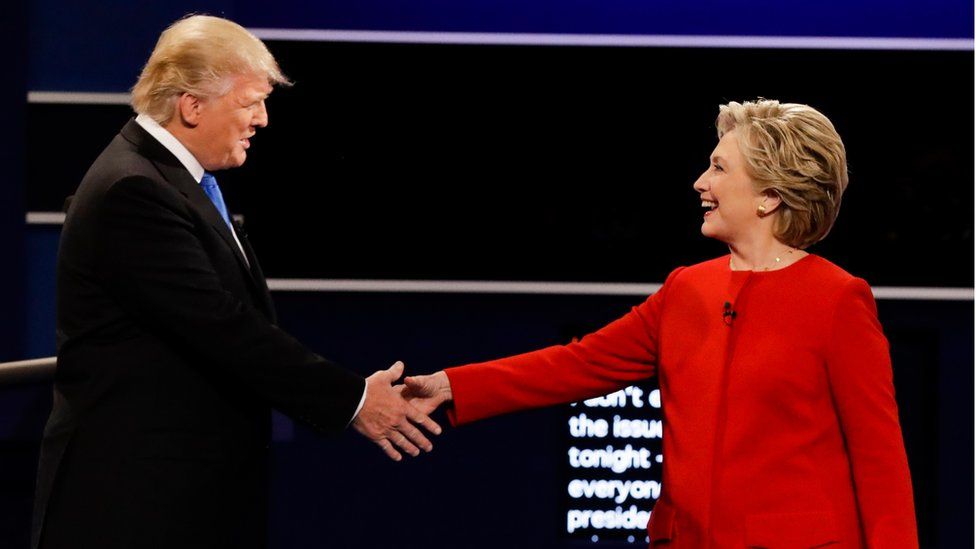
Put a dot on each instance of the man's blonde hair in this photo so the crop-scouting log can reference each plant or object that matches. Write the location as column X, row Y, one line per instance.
column 793, row 151
column 199, row 55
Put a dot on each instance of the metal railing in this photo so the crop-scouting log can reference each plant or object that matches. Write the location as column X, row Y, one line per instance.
column 27, row 371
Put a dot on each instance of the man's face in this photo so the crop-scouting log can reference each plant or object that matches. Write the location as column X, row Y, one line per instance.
column 226, row 123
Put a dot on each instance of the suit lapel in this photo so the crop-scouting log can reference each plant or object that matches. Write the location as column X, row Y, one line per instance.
column 176, row 174
column 256, row 271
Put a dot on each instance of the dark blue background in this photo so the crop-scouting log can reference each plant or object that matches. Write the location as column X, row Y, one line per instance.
column 13, row 39
column 900, row 18
column 100, row 46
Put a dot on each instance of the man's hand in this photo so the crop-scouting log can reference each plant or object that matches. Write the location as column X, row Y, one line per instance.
column 388, row 419
column 426, row 393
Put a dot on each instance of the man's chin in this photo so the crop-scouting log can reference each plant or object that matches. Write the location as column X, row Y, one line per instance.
column 235, row 161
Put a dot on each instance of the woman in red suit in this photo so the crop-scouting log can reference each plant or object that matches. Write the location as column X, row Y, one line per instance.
column 781, row 428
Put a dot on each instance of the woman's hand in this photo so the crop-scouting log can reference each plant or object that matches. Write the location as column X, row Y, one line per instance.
column 426, row 393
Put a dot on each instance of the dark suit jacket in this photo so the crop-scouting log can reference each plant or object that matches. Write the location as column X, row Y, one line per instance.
column 169, row 361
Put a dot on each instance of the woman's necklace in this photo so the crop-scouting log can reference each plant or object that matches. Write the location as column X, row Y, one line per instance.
column 775, row 263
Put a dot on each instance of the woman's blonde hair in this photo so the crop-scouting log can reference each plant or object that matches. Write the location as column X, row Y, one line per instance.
column 198, row 55
column 793, row 151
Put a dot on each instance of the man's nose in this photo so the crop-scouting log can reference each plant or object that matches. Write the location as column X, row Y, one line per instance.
column 261, row 118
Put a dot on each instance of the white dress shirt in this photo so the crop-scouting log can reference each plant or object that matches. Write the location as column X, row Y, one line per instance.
column 185, row 157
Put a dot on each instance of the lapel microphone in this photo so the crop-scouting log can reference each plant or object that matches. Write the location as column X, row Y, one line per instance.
column 728, row 315
column 239, row 226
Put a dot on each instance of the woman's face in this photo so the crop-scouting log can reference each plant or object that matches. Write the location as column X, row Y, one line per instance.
column 728, row 193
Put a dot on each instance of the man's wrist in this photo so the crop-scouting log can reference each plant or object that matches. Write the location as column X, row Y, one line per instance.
column 359, row 408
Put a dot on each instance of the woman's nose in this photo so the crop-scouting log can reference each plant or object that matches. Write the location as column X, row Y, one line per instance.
column 700, row 184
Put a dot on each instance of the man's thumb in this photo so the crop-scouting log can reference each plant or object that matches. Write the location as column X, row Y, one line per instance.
column 395, row 371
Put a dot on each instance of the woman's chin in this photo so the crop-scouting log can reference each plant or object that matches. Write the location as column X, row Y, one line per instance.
column 710, row 232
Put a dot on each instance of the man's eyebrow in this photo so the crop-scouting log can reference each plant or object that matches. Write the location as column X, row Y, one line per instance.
column 256, row 97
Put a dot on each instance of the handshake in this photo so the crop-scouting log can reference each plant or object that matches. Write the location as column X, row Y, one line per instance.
column 391, row 413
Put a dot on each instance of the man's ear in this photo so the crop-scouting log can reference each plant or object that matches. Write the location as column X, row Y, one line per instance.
column 189, row 108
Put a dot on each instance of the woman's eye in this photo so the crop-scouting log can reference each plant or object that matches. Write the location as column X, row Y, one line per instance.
column 718, row 168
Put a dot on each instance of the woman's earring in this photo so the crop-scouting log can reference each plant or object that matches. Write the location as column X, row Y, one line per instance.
column 761, row 211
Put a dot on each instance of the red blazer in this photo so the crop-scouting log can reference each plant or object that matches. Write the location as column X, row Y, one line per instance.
column 780, row 427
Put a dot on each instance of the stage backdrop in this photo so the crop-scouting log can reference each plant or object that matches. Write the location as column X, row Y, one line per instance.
column 448, row 161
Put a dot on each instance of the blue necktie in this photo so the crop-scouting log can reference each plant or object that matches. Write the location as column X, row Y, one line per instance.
column 209, row 184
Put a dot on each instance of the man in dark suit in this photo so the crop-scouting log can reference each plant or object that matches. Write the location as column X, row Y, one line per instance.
column 169, row 357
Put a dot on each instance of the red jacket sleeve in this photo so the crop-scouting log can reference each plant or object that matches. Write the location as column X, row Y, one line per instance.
column 617, row 355
column 860, row 374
